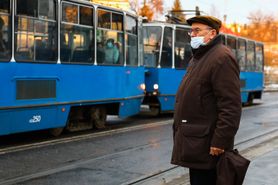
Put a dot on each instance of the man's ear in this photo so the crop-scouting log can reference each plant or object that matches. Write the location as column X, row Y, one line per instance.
column 214, row 33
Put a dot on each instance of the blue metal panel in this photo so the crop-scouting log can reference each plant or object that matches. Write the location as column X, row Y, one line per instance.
column 169, row 80
column 130, row 107
column 253, row 81
column 33, row 119
column 75, row 85
column 167, row 103
column 62, row 115
column 244, row 97
column 99, row 82
column 5, row 123
column 6, row 93
column 151, row 78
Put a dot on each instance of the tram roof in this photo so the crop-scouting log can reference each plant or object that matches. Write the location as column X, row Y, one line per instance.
column 163, row 24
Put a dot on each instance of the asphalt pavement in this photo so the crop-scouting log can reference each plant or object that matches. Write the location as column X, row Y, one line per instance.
column 262, row 169
column 141, row 155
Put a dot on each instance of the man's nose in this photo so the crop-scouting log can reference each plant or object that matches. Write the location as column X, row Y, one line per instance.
column 193, row 34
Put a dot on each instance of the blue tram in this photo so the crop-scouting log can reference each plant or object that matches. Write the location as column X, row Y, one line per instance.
column 66, row 65
column 250, row 55
column 167, row 52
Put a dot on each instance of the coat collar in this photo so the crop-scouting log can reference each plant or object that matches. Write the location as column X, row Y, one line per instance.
column 198, row 53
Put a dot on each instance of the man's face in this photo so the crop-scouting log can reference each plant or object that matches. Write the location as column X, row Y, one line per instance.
column 202, row 30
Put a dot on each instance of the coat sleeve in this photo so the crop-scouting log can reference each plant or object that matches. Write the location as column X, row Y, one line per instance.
column 226, row 86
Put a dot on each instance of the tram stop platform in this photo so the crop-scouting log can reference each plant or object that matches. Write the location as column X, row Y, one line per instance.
column 262, row 169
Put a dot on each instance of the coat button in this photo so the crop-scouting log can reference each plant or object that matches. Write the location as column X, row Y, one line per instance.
column 184, row 121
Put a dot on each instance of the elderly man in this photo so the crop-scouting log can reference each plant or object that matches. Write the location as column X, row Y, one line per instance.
column 208, row 103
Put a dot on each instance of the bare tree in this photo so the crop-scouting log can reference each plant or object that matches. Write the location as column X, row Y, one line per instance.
column 176, row 11
column 157, row 5
column 146, row 11
column 262, row 27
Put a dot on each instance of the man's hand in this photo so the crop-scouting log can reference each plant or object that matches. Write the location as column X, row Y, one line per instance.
column 215, row 151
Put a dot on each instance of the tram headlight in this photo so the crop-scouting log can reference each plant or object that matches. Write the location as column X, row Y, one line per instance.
column 155, row 86
column 143, row 86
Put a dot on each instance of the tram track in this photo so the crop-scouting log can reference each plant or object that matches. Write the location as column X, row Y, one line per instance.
column 80, row 136
column 159, row 177
column 251, row 147
column 66, row 139
column 256, row 146
column 75, row 164
column 74, row 138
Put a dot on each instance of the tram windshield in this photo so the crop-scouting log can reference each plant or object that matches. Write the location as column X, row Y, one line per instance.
column 152, row 42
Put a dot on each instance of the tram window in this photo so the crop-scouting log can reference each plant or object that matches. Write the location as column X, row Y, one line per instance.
column 152, row 42
column 104, row 19
column 110, row 47
column 76, row 44
column 259, row 57
column 131, row 41
column 70, row 13
column 47, row 9
column 27, row 7
column 25, row 39
column 183, row 50
column 5, row 36
column 117, row 22
column 241, row 54
column 5, row 6
column 131, row 25
column 223, row 39
column 86, row 16
column 110, row 42
column 110, row 20
column 38, row 42
column 231, row 43
column 250, row 56
column 167, row 48
column 131, row 50
column 36, row 38
column 44, row 9
column 76, row 41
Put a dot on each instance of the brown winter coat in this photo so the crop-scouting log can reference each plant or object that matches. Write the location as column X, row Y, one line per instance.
column 208, row 107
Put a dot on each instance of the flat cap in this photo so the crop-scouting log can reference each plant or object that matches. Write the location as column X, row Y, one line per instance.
column 207, row 20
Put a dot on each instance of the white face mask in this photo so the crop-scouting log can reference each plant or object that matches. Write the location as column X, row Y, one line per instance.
column 196, row 42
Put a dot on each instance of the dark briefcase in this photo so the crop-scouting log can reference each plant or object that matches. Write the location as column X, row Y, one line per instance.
column 231, row 168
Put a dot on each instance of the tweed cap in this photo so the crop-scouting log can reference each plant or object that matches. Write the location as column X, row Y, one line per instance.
column 211, row 21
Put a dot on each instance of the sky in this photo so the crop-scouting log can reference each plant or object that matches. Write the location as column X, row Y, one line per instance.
column 236, row 10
